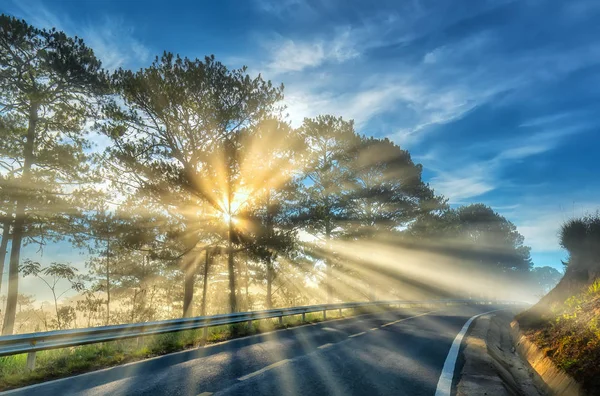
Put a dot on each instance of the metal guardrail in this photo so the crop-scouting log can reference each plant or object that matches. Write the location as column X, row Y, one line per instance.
column 31, row 343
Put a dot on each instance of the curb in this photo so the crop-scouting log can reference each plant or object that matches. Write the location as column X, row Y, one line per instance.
column 554, row 380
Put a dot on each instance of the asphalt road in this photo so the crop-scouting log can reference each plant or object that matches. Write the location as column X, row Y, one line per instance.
column 394, row 353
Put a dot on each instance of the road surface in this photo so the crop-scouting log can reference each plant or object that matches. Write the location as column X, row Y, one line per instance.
column 392, row 353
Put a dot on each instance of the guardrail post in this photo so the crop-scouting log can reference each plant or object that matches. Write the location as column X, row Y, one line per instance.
column 281, row 321
column 205, row 335
column 324, row 314
column 31, row 361
column 303, row 317
column 340, row 312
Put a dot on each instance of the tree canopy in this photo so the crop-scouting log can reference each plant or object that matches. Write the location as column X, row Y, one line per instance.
column 206, row 199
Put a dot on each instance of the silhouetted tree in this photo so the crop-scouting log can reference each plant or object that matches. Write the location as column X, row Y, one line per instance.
column 389, row 191
column 51, row 276
column 177, row 141
column 48, row 80
column 545, row 278
column 271, row 169
column 478, row 234
column 329, row 143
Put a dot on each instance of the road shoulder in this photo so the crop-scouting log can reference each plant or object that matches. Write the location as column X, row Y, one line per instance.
column 490, row 365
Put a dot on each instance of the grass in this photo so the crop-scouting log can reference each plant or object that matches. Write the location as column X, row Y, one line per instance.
column 569, row 334
column 58, row 363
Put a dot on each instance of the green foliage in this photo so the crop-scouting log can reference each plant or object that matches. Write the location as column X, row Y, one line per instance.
column 51, row 276
column 187, row 165
column 478, row 234
column 569, row 334
column 581, row 238
column 202, row 179
column 594, row 288
column 389, row 192
column 50, row 86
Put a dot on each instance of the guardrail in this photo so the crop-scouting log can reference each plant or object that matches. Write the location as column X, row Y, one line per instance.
column 31, row 343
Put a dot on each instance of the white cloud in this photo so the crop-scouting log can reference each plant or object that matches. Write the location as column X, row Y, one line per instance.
column 112, row 40
column 360, row 104
column 291, row 56
column 467, row 178
column 525, row 151
column 432, row 56
column 460, row 188
column 431, row 116
column 375, row 95
column 114, row 43
column 544, row 120
column 280, row 8
column 287, row 55
column 538, row 143
column 540, row 222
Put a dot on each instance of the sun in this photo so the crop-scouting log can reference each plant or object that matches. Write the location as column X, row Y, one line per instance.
column 226, row 212
column 226, row 217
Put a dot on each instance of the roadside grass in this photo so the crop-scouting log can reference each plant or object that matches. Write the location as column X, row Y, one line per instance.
column 569, row 334
column 59, row 363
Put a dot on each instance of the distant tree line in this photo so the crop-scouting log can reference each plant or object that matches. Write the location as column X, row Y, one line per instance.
column 201, row 197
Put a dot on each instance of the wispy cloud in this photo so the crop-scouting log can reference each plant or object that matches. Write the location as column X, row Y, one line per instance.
column 112, row 39
column 459, row 188
column 281, row 8
column 360, row 104
column 289, row 55
column 114, row 43
column 540, row 221
column 466, row 178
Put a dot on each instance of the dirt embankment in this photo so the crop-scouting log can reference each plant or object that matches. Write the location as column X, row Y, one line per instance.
column 568, row 333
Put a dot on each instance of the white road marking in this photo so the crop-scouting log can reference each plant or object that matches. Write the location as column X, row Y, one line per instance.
column 401, row 320
column 205, row 394
column 262, row 370
column 357, row 334
column 374, row 328
column 331, row 329
column 444, row 386
column 325, row 346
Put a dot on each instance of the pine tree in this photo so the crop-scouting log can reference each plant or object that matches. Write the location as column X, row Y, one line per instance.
column 49, row 83
column 178, row 143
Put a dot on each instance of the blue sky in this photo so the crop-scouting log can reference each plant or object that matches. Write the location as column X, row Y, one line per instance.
column 497, row 99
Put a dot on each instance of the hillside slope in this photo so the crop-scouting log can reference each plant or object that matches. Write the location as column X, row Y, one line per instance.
column 568, row 331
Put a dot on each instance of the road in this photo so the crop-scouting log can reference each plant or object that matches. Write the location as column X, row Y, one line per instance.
column 392, row 353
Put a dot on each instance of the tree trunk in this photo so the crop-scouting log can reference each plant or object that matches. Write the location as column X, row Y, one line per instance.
column 56, row 310
column 107, row 281
column 188, row 286
column 13, row 270
column 4, row 247
column 269, row 262
column 248, row 308
column 205, row 284
column 15, row 250
column 135, row 293
column 328, row 274
column 231, row 270
column 269, row 301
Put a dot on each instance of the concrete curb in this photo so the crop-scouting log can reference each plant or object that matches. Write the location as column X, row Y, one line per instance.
column 553, row 379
